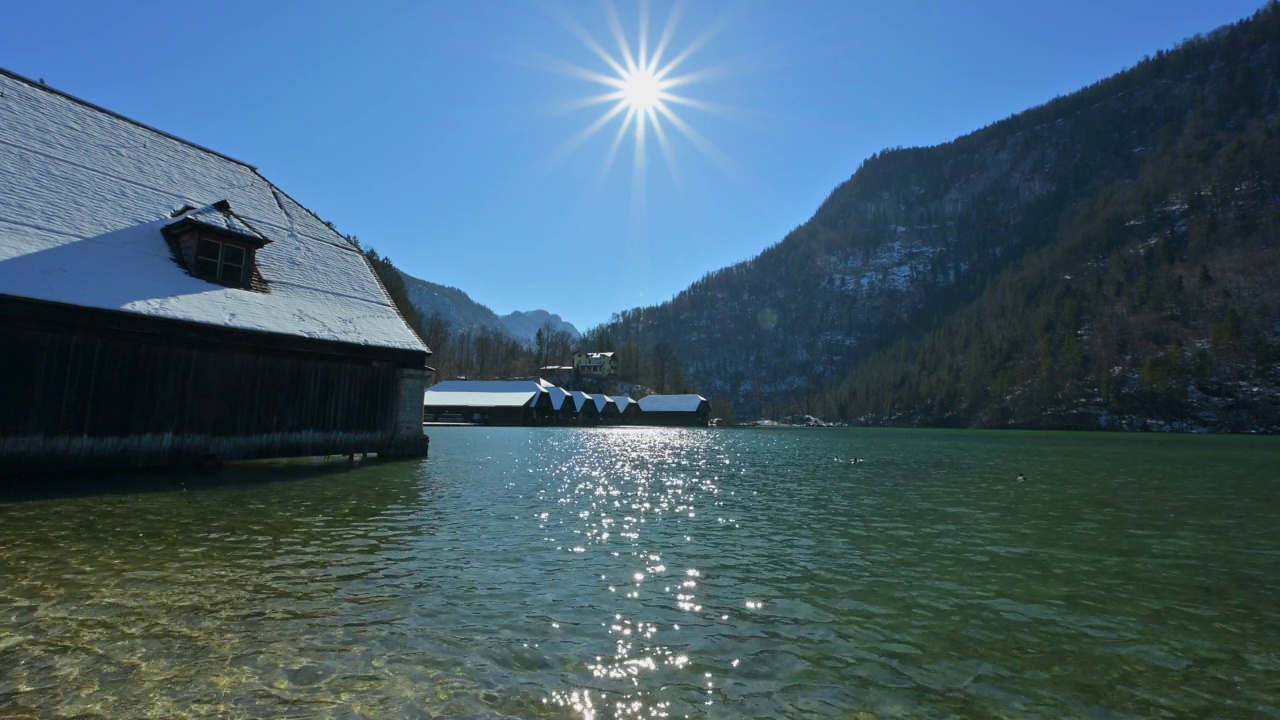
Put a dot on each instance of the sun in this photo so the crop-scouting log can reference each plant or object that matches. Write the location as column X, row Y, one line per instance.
column 638, row 87
column 641, row 89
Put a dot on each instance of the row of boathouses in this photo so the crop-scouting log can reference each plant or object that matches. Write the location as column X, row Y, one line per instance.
column 535, row 401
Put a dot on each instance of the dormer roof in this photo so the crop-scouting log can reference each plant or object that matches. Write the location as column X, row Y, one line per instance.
column 219, row 220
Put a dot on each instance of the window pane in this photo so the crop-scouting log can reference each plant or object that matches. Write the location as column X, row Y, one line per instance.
column 207, row 250
column 232, row 265
column 231, row 274
column 206, row 268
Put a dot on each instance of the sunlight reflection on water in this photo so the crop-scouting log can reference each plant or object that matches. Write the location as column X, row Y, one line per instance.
column 622, row 499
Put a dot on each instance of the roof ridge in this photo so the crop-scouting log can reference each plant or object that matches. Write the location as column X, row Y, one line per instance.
column 40, row 85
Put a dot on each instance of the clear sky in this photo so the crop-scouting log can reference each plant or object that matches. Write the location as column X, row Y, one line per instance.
column 455, row 137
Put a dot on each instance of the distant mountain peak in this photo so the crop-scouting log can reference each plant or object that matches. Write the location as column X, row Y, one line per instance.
column 524, row 325
column 461, row 312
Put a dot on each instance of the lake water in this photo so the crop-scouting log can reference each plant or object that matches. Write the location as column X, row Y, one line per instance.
column 637, row 572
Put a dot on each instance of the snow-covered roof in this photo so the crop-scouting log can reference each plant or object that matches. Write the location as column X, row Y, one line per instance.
column 601, row 401
column 580, row 399
column 85, row 193
column 623, row 402
column 671, row 403
column 482, row 393
column 558, row 396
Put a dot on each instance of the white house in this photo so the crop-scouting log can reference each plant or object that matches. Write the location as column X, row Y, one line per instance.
column 602, row 364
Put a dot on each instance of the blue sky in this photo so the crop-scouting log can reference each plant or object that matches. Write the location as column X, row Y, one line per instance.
column 442, row 133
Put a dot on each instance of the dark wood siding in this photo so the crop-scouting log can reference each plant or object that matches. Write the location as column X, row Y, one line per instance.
column 73, row 389
column 67, row 385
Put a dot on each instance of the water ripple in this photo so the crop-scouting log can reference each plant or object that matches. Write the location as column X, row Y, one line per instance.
column 618, row 573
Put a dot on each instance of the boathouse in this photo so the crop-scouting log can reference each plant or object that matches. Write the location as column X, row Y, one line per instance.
column 162, row 303
column 689, row 410
column 562, row 408
column 488, row 402
column 585, row 407
column 628, row 409
column 607, row 409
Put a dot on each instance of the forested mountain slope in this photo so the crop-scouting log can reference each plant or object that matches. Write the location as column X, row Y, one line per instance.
column 1106, row 259
column 453, row 305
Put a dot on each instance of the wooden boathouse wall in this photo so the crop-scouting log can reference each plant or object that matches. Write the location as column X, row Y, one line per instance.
column 83, row 388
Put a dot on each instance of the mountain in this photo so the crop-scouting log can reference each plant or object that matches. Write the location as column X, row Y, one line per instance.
column 524, row 326
column 1104, row 260
column 462, row 313
column 453, row 305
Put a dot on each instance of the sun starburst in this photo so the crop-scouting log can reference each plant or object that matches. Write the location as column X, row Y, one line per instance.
column 638, row 98
column 641, row 89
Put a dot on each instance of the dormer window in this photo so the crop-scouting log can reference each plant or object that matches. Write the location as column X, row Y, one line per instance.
column 220, row 262
column 217, row 245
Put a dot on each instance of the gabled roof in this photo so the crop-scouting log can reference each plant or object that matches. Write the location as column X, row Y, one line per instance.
column 558, row 396
column 580, row 399
column 87, row 193
column 482, row 393
column 601, row 401
column 623, row 402
column 671, row 403
column 555, row 392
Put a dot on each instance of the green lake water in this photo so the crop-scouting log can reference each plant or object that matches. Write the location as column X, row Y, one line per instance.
column 644, row 572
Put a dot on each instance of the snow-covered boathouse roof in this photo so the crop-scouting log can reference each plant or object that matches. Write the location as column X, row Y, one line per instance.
column 671, row 403
column 580, row 400
column 483, row 393
column 622, row 402
column 558, row 396
column 85, row 194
